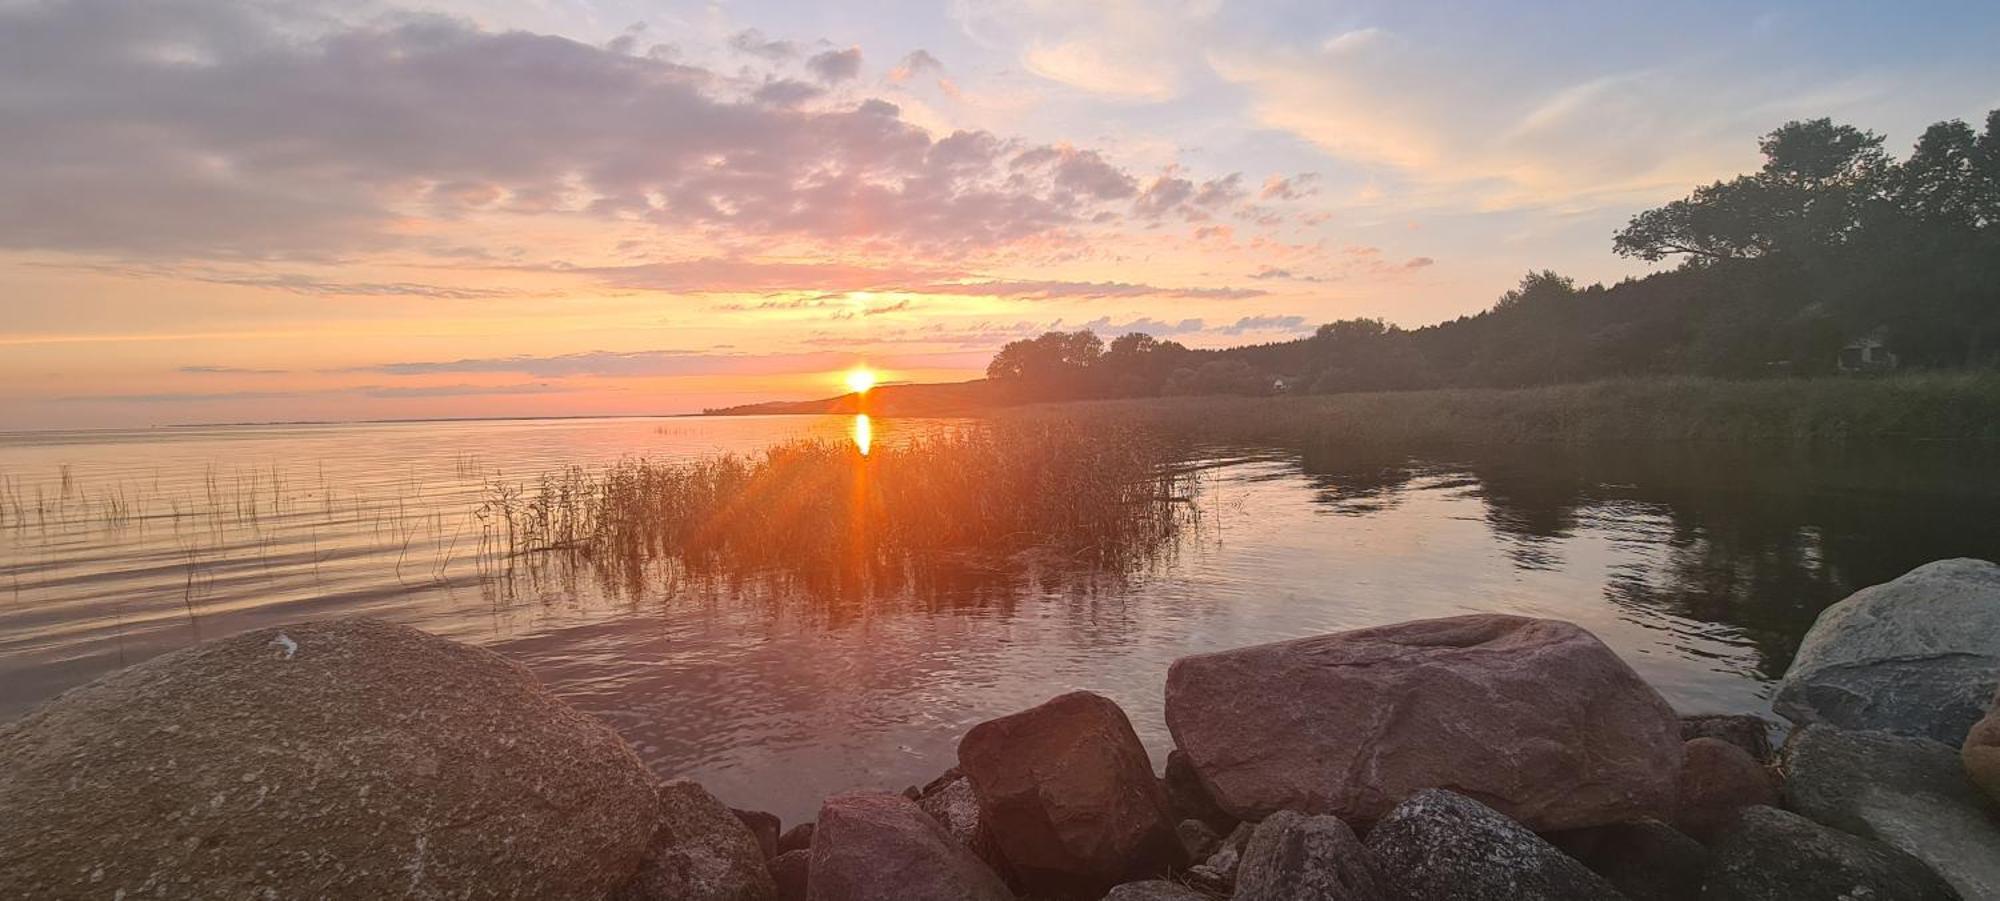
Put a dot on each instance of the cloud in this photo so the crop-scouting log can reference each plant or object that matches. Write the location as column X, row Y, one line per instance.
column 1293, row 188
column 1144, row 325
column 1033, row 289
column 835, row 66
column 1292, row 324
column 752, row 42
column 641, row 363
column 916, row 63
column 1418, row 263
column 229, row 370
column 735, row 276
column 267, row 133
column 1087, row 65
column 372, row 391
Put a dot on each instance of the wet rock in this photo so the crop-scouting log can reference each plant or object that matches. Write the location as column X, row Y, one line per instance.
column 791, row 871
column 348, row 758
column 955, row 807
column 702, row 852
column 797, row 838
column 1294, row 857
column 765, row 826
column 1069, row 794
column 1909, row 793
column 1442, row 845
column 1775, row 855
column 1647, row 860
column 1747, row 731
column 1209, row 879
column 1916, row 656
column 1189, row 797
column 1981, row 753
column 1535, row 716
column 1717, row 780
column 1154, row 890
column 869, row 846
column 1197, row 840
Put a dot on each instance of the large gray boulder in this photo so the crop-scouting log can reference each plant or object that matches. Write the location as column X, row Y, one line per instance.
column 1294, row 857
column 1154, row 890
column 953, row 804
column 340, row 759
column 1909, row 793
column 1535, row 717
column 1067, row 792
column 1916, row 656
column 1443, row 846
column 1775, row 855
column 868, row 846
column 703, row 851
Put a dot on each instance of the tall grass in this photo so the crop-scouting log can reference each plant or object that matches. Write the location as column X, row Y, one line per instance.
column 1105, row 495
column 1930, row 407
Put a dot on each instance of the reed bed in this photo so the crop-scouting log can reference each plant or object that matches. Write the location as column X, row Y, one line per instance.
column 1105, row 496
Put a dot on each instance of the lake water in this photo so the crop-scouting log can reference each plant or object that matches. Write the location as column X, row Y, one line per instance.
column 1700, row 567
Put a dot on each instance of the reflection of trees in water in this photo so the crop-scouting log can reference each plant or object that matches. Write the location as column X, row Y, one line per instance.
column 1758, row 540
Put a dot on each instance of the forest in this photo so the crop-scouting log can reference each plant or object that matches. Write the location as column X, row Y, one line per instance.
column 1833, row 257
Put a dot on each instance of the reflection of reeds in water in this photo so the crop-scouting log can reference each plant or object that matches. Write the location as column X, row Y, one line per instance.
column 1102, row 497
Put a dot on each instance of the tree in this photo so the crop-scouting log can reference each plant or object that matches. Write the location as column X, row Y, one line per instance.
column 1808, row 197
column 1054, row 355
column 1536, row 288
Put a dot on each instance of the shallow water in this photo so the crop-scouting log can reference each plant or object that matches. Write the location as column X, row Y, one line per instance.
column 1700, row 567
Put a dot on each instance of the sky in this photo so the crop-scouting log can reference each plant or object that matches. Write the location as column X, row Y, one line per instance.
column 256, row 211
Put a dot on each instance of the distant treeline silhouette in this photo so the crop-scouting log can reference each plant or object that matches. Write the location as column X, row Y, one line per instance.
column 1834, row 256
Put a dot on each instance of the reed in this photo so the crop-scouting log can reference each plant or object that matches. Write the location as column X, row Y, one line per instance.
column 1105, row 495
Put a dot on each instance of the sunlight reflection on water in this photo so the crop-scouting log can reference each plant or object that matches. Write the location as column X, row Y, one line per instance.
column 1702, row 572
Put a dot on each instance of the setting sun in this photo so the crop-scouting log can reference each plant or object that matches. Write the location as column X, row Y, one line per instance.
column 860, row 379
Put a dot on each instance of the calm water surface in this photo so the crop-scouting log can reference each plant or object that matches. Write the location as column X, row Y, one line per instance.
column 1701, row 568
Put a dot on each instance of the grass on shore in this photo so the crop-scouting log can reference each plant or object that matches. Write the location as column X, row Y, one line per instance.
column 1928, row 407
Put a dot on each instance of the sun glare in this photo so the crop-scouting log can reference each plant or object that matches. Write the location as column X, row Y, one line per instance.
column 860, row 379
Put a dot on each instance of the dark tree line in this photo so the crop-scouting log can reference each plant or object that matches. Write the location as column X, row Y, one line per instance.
column 1831, row 242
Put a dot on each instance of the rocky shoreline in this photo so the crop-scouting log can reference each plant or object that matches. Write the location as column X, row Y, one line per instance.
column 1473, row 757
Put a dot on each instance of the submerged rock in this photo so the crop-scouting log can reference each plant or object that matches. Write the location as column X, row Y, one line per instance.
column 1294, row 857
column 1647, row 860
column 702, row 852
column 1774, row 855
column 349, row 758
column 1916, row 656
column 1747, row 731
column 1909, row 793
column 1981, row 752
column 1717, row 780
column 1069, row 795
column 1441, row 845
column 869, row 846
column 1535, row 716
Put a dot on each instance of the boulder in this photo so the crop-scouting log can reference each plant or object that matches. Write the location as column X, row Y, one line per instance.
column 1154, row 890
column 1909, row 793
column 868, row 846
column 1647, row 860
column 1718, row 779
column 952, row 803
column 1295, row 857
column 1535, row 717
column 1440, row 845
column 1069, row 795
column 1197, row 840
column 1747, row 731
column 701, row 852
column 1775, row 855
column 791, row 871
column 1189, row 797
column 348, row 758
column 797, row 838
column 765, row 826
column 1916, row 656
column 1981, row 753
